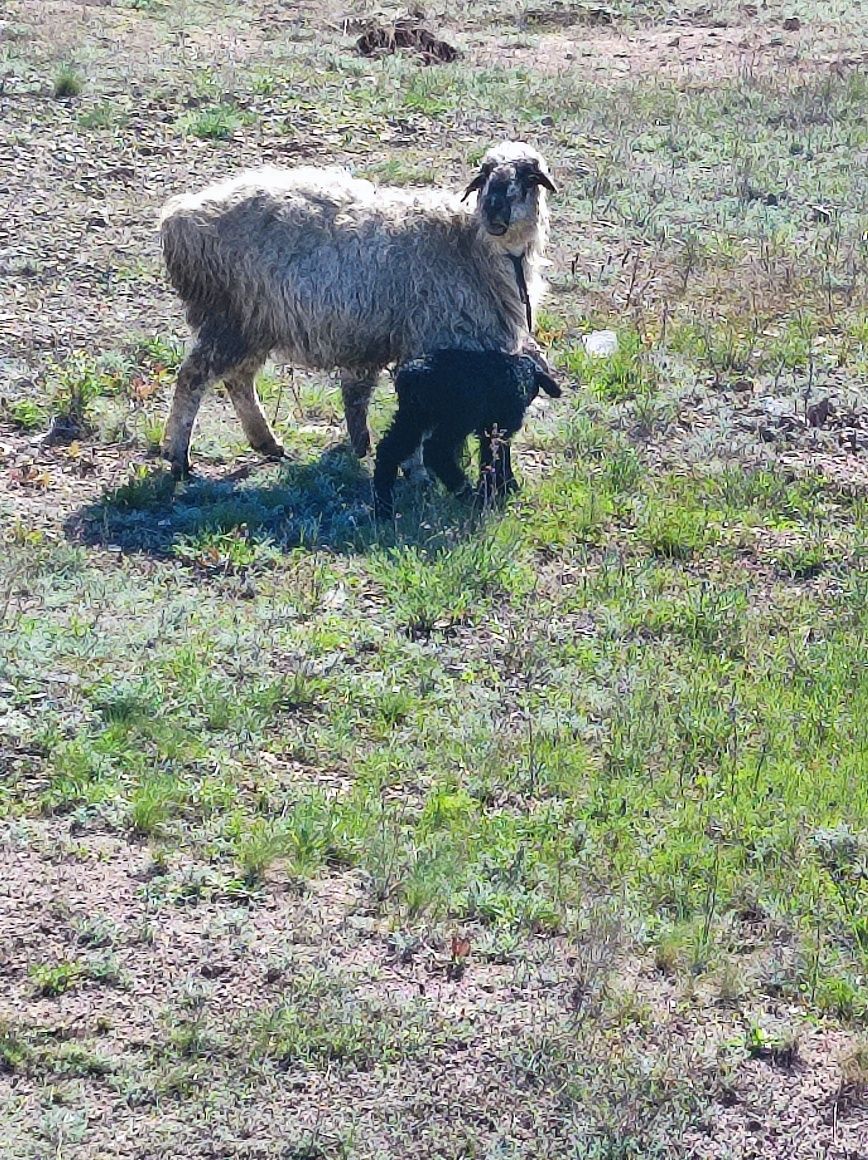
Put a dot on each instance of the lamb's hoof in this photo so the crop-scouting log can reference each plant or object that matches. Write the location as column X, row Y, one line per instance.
column 416, row 474
column 384, row 511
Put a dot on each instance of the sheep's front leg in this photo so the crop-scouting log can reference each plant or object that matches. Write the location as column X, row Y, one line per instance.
column 356, row 389
column 241, row 385
column 218, row 352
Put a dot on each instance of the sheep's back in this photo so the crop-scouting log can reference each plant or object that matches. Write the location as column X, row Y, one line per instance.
column 335, row 271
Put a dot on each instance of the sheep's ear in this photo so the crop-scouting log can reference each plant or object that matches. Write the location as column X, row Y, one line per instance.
column 475, row 185
column 548, row 384
column 538, row 177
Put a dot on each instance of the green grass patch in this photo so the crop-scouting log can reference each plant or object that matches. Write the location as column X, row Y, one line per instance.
column 214, row 123
column 68, row 82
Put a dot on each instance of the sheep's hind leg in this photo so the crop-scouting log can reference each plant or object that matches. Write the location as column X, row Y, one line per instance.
column 356, row 389
column 218, row 350
column 241, row 385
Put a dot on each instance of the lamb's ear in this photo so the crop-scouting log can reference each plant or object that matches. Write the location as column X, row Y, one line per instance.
column 475, row 185
column 548, row 384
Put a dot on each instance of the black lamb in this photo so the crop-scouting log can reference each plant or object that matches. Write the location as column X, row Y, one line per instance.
column 447, row 396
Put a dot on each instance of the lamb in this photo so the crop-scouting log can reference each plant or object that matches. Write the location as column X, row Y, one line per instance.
column 336, row 273
column 448, row 395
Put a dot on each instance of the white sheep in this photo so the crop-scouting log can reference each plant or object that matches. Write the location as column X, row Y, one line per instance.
column 334, row 272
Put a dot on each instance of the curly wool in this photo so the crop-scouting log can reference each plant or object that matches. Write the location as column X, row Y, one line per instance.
column 334, row 272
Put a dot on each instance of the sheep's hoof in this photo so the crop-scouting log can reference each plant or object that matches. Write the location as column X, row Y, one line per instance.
column 180, row 468
column 272, row 450
column 360, row 441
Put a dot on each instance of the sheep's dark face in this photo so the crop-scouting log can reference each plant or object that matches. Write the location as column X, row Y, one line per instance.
column 508, row 190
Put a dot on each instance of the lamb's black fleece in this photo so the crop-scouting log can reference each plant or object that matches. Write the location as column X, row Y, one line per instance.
column 448, row 395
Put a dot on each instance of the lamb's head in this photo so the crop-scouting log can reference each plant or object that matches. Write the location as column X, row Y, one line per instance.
column 534, row 379
column 510, row 186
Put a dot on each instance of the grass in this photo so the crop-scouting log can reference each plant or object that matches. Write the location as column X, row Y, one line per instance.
column 68, row 82
column 217, row 123
column 381, row 833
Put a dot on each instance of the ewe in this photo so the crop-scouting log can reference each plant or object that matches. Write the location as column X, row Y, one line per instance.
column 334, row 272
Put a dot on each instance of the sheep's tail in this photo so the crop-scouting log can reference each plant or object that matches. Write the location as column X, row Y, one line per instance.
column 192, row 263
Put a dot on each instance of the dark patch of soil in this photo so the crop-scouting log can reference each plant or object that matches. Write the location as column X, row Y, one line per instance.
column 407, row 32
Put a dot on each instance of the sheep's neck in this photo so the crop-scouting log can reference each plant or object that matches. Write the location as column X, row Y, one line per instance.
column 518, row 266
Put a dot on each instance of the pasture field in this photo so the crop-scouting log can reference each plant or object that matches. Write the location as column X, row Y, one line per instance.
column 542, row 834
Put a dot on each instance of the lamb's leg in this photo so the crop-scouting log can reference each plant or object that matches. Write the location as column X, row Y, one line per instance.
column 403, row 436
column 442, row 449
column 414, row 467
column 486, row 485
column 241, row 385
column 509, row 481
column 356, row 389
column 496, row 478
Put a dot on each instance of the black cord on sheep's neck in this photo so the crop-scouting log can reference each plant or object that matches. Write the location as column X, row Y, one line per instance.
column 518, row 266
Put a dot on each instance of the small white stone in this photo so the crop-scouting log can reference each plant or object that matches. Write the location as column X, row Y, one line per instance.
column 601, row 343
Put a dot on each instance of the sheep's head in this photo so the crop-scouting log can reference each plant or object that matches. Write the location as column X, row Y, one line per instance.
column 509, row 187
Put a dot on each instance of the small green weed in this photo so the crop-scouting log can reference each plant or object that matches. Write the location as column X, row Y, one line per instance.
column 68, row 82
column 779, row 1045
column 258, row 844
column 675, row 533
column 854, row 1067
column 803, row 562
column 95, row 931
column 322, row 1022
column 15, row 1051
column 158, row 354
column 102, row 116
column 217, row 123
column 437, row 589
column 627, row 373
column 79, row 381
column 144, row 490
column 27, row 414
column 227, row 552
column 74, row 1060
column 396, row 171
column 53, row 979
column 153, row 803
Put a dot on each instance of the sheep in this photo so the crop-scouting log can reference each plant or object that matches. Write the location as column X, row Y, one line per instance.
column 448, row 395
column 336, row 273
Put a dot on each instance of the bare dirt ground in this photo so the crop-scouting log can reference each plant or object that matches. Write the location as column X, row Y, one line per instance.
column 226, row 962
